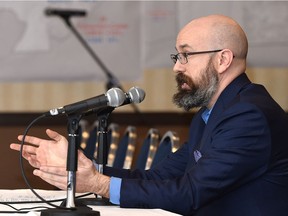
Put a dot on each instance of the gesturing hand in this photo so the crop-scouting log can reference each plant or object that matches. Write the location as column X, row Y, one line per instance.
column 41, row 152
column 87, row 178
column 49, row 157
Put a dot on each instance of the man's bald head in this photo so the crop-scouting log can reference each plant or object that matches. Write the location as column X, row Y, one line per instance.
column 216, row 32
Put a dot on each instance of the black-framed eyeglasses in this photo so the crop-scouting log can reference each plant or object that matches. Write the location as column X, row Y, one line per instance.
column 182, row 57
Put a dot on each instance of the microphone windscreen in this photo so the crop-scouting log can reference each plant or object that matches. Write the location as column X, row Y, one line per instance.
column 137, row 95
column 115, row 97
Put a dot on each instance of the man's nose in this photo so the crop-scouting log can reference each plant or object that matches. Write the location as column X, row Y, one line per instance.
column 178, row 67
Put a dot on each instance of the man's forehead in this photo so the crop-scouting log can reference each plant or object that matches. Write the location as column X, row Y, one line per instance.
column 187, row 42
column 193, row 37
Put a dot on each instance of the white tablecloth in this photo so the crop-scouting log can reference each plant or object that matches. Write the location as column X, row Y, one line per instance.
column 27, row 195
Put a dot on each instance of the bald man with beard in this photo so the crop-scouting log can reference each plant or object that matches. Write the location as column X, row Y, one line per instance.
column 235, row 161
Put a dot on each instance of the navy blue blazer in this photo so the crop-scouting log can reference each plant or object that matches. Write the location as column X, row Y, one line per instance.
column 237, row 164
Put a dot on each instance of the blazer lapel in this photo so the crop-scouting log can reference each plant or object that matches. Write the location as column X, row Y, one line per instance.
column 195, row 136
column 230, row 93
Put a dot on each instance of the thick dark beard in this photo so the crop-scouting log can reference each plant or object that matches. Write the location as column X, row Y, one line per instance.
column 200, row 93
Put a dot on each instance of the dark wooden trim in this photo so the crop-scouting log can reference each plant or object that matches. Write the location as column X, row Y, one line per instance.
column 147, row 118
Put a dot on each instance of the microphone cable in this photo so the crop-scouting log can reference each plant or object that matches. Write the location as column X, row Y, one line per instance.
column 28, row 209
column 22, row 167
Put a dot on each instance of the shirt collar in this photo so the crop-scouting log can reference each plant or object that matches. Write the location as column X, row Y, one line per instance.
column 206, row 114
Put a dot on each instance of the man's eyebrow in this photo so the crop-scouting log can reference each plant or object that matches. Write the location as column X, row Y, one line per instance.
column 183, row 46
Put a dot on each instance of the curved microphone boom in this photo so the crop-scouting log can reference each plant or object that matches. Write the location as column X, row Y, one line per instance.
column 65, row 13
column 114, row 97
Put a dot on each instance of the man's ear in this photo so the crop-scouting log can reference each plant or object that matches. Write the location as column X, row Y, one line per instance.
column 224, row 60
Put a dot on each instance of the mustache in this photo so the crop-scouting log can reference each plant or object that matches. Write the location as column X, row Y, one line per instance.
column 181, row 79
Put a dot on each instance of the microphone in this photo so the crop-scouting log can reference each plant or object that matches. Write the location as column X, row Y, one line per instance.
column 114, row 97
column 134, row 95
column 64, row 13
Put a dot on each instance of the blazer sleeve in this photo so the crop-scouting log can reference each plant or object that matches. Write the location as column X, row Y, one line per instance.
column 235, row 151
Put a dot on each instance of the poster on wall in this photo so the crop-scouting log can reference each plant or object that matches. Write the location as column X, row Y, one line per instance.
column 159, row 31
column 127, row 37
column 36, row 46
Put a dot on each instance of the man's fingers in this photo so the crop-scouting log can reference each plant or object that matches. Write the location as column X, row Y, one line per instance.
column 15, row 146
column 33, row 161
column 30, row 139
column 55, row 170
column 54, row 135
column 26, row 148
column 56, row 176
column 25, row 154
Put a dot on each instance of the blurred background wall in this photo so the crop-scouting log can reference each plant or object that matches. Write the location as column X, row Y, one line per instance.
column 159, row 86
column 43, row 65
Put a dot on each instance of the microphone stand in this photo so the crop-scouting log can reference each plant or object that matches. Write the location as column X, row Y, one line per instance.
column 112, row 80
column 72, row 159
column 102, row 150
column 102, row 153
